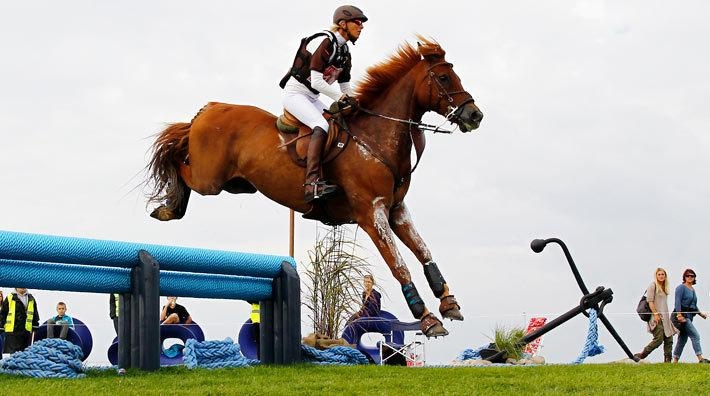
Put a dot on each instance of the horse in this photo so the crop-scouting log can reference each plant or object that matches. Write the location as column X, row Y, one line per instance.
column 237, row 148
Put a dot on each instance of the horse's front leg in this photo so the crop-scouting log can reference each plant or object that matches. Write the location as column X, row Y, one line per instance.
column 403, row 227
column 376, row 225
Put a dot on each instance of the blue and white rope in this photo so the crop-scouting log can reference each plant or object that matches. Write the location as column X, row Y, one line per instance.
column 339, row 355
column 591, row 346
column 214, row 354
column 48, row 358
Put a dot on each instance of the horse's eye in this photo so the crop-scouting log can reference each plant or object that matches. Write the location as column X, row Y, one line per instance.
column 444, row 78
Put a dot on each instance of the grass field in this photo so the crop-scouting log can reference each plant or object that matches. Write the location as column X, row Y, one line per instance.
column 376, row 380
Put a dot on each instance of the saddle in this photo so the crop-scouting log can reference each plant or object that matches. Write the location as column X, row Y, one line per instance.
column 297, row 136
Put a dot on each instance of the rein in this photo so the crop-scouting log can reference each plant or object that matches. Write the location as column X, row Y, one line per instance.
column 420, row 125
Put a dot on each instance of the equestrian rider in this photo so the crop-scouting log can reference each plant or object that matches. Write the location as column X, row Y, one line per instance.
column 330, row 61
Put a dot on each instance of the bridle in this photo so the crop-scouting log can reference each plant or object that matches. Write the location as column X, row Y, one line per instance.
column 453, row 111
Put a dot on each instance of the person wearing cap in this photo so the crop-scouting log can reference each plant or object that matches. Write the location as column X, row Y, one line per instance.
column 316, row 67
column 686, row 307
column 660, row 323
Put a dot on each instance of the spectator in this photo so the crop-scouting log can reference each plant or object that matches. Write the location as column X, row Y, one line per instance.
column 370, row 300
column 174, row 313
column 18, row 319
column 660, row 323
column 686, row 307
column 113, row 310
column 61, row 320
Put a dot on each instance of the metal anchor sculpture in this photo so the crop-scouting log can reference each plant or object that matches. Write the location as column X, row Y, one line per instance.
column 596, row 300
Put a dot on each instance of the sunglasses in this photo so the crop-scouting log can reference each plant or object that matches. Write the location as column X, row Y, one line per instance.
column 356, row 21
column 690, row 276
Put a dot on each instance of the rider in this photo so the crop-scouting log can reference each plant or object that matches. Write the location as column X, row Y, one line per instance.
column 328, row 63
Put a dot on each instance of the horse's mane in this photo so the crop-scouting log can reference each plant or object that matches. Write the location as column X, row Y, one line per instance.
column 381, row 75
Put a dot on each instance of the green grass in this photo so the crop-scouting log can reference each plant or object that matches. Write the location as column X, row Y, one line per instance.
column 376, row 380
column 509, row 340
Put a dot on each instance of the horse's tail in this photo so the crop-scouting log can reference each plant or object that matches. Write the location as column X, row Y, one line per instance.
column 169, row 151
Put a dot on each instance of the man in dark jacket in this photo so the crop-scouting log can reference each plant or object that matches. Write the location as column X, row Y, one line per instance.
column 18, row 319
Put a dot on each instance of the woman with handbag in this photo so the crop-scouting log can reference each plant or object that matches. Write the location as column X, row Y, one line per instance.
column 686, row 307
column 660, row 323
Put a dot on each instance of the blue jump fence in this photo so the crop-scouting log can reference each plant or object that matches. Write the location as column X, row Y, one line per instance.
column 141, row 273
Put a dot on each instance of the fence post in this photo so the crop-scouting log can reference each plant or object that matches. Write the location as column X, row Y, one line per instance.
column 291, row 308
column 150, row 311
column 124, row 330
column 266, row 331
column 136, row 285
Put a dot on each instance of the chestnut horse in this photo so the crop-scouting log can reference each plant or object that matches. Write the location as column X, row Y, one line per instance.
column 237, row 148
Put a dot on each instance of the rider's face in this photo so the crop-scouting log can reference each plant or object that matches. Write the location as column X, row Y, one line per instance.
column 354, row 28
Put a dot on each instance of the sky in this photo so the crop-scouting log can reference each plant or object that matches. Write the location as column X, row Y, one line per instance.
column 594, row 131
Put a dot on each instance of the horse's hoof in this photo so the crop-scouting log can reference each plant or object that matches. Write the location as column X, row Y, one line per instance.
column 163, row 213
column 431, row 327
column 450, row 309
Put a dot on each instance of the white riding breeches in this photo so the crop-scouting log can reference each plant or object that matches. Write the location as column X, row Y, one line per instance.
column 307, row 109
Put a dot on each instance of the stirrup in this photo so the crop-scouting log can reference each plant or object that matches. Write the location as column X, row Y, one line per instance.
column 321, row 189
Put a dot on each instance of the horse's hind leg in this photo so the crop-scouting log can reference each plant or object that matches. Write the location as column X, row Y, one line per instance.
column 177, row 197
column 377, row 227
column 403, row 227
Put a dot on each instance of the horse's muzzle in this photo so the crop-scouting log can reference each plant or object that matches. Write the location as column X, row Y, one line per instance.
column 469, row 118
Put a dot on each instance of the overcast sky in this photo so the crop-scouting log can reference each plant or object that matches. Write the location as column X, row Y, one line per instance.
column 595, row 131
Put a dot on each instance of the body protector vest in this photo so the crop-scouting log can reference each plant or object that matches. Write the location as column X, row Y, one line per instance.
column 12, row 313
column 301, row 68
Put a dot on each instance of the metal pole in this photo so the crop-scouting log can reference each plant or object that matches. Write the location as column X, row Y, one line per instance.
column 290, row 232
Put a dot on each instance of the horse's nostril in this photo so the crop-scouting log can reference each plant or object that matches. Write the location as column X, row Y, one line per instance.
column 477, row 116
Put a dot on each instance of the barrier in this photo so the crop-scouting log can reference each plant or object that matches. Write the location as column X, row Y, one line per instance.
column 140, row 273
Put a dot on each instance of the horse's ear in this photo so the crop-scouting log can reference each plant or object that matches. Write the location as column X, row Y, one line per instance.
column 430, row 51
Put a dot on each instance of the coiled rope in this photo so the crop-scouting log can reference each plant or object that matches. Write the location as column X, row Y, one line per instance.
column 47, row 358
column 339, row 355
column 214, row 354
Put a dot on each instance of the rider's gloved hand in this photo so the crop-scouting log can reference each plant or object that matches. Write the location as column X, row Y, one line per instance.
column 349, row 103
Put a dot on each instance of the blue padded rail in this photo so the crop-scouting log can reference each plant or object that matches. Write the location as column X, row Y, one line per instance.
column 64, row 277
column 184, row 284
column 72, row 250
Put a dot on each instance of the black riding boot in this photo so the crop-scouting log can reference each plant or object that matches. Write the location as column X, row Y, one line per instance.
column 315, row 187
